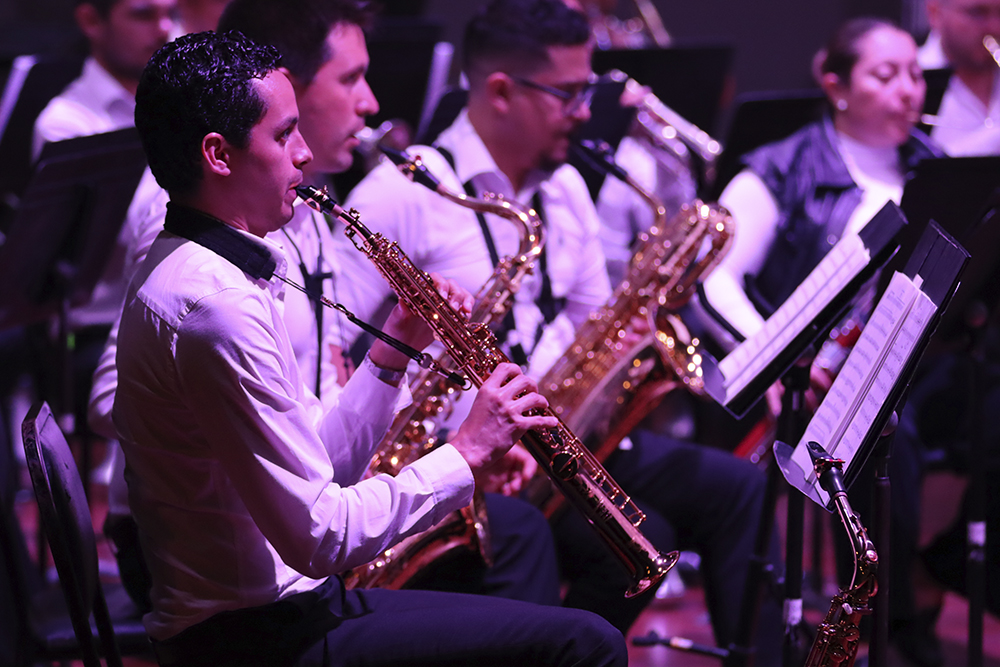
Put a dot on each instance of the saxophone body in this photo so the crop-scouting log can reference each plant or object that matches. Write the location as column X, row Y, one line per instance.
column 473, row 346
column 838, row 635
column 607, row 381
column 414, row 431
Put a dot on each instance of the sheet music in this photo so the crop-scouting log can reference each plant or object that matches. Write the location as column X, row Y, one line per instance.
column 863, row 385
column 844, row 261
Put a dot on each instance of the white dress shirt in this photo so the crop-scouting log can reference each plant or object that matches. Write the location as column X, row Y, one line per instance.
column 443, row 237
column 965, row 126
column 93, row 103
column 244, row 490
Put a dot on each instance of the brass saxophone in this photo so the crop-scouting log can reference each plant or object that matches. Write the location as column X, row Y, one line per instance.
column 838, row 636
column 414, row 431
column 472, row 345
column 603, row 385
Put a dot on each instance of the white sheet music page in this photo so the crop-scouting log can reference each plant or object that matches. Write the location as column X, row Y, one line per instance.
column 864, row 383
column 844, row 261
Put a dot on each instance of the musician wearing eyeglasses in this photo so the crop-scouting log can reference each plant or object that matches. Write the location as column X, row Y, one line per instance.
column 528, row 68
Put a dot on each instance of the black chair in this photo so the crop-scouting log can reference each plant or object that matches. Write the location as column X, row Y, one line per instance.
column 65, row 517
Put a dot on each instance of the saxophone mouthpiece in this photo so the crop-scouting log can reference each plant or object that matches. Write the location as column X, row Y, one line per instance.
column 599, row 155
column 318, row 199
column 413, row 168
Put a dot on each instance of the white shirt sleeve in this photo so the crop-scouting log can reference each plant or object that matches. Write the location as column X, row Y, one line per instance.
column 755, row 214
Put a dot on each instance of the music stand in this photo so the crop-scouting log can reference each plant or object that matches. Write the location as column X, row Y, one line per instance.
column 64, row 232
column 761, row 118
column 740, row 380
column 689, row 79
column 33, row 81
column 851, row 422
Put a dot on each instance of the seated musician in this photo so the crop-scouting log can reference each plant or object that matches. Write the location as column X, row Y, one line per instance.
column 245, row 491
column 528, row 65
column 797, row 197
column 326, row 61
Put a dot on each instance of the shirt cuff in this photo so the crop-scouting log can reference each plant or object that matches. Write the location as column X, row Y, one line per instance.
column 453, row 480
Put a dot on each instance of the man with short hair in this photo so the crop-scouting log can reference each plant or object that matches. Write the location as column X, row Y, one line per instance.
column 968, row 111
column 246, row 493
column 121, row 35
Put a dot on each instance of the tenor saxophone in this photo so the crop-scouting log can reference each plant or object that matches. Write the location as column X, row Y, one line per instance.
column 607, row 381
column 474, row 348
column 414, row 431
column 839, row 635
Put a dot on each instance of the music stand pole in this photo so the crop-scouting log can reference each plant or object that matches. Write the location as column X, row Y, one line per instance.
column 977, row 318
column 791, row 425
column 882, row 497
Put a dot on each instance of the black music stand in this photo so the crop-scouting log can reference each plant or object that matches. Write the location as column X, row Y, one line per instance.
column 761, row 118
column 63, row 235
column 690, row 79
column 33, row 81
column 857, row 417
column 963, row 196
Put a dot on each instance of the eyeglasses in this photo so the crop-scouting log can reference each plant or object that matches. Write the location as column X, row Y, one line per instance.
column 572, row 101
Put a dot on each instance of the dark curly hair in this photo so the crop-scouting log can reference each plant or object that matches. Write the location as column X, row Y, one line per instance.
column 514, row 35
column 195, row 85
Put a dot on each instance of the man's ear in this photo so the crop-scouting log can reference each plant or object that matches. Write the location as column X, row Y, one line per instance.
column 215, row 151
column 499, row 89
column 89, row 20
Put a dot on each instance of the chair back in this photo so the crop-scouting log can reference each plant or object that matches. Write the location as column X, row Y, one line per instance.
column 64, row 516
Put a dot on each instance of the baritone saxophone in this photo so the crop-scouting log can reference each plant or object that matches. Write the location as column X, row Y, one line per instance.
column 839, row 635
column 474, row 348
column 414, row 431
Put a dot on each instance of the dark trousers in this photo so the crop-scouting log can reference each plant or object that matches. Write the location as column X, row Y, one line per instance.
column 331, row 626
column 695, row 498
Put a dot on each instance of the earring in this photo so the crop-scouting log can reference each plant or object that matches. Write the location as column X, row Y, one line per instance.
column 842, row 104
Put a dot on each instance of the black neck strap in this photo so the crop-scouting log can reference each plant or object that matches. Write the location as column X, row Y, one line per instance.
column 208, row 232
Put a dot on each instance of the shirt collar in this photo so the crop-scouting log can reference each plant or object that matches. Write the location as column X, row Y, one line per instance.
column 178, row 213
column 473, row 162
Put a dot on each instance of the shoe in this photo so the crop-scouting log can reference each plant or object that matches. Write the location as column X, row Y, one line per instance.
column 916, row 639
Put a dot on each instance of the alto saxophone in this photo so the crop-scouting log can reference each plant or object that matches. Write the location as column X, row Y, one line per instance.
column 607, row 382
column 838, row 636
column 414, row 431
column 472, row 345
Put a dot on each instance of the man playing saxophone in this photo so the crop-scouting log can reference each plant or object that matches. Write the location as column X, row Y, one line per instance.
column 324, row 53
column 245, row 490
column 528, row 66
